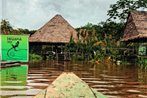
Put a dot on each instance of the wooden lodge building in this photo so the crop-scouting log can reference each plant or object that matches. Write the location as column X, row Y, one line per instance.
column 52, row 37
column 136, row 32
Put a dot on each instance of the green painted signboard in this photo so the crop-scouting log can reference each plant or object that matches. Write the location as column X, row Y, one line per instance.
column 14, row 48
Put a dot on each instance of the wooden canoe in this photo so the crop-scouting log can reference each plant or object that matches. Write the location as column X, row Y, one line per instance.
column 68, row 85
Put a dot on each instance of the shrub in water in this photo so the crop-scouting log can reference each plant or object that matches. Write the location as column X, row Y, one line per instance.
column 35, row 57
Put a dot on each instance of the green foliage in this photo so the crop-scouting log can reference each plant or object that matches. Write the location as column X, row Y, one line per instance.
column 80, row 57
column 100, row 54
column 6, row 29
column 25, row 31
column 121, row 9
column 99, row 40
column 71, row 46
column 35, row 57
column 142, row 63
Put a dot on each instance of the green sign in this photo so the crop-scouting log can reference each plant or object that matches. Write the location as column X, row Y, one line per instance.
column 142, row 50
column 14, row 48
column 14, row 76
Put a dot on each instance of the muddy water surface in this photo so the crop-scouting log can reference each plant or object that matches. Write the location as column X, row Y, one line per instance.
column 114, row 81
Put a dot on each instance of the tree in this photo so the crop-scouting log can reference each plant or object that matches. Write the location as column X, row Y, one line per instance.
column 113, row 29
column 71, row 46
column 23, row 31
column 121, row 9
column 6, row 28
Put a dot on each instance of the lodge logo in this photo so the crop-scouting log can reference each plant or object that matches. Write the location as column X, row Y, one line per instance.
column 12, row 50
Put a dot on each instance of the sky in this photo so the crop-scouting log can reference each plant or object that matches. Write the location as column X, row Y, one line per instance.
column 33, row 14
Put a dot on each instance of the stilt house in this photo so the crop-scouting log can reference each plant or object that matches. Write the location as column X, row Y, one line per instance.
column 135, row 32
column 53, row 36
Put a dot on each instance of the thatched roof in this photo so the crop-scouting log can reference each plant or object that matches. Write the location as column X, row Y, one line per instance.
column 57, row 30
column 136, row 26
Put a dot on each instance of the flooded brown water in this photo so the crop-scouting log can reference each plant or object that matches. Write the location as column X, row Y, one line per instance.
column 109, row 79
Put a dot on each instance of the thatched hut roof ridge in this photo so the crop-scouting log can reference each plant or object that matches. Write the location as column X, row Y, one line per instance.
column 136, row 27
column 57, row 30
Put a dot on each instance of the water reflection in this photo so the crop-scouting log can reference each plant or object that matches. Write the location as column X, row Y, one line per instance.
column 111, row 80
column 13, row 79
column 14, row 76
